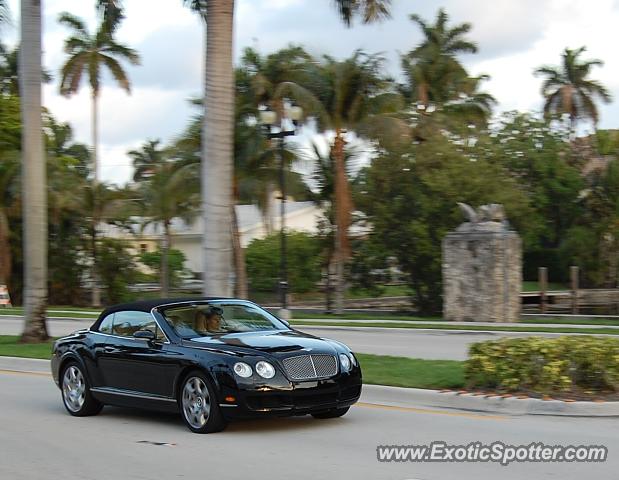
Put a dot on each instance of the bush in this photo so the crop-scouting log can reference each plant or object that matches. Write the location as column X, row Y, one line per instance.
column 116, row 268
column 578, row 364
column 263, row 262
column 176, row 264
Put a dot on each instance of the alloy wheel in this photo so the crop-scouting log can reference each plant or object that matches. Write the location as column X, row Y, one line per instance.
column 73, row 388
column 196, row 402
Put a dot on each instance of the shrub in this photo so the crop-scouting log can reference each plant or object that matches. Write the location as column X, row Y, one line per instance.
column 176, row 264
column 116, row 268
column 263, row 260
column 545, row 365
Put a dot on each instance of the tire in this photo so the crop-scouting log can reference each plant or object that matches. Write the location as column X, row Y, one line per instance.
column 198, row 404
column 75, row 392
column 334, row 413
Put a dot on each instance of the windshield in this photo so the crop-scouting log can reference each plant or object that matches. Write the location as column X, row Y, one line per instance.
column 208, row 319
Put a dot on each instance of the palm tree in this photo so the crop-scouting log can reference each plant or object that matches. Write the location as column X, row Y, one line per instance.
column 89, row 54
column 34, row 182
column 434, row 73
column 111, row 13
column 255, row 171
column 60, row 145
column 217, row 144
column 147, row 159
column 345, row 95
column 217, row 147
column 568, row 89
column 369, row 10
column 472, row 104
column 258, row 80
column 169, row 193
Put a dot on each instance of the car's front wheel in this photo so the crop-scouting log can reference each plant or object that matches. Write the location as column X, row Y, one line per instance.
column 76, row 395
column 334, row 413
column 199, row 406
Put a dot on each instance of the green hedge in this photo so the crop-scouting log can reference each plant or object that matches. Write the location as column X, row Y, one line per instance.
column 583, row 364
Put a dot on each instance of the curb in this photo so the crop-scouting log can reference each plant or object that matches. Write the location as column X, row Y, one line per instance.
column 419, row 397
column 25, row 365
column 397, row 396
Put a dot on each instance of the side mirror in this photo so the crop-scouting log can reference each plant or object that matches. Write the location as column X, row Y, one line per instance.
column 144, row 335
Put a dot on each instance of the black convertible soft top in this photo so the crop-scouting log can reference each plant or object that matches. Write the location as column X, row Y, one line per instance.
column 148, row 305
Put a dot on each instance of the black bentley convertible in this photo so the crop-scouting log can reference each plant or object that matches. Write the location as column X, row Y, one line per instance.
column 214, row 359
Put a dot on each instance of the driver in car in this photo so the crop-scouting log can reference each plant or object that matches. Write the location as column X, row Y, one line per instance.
column 209, row 321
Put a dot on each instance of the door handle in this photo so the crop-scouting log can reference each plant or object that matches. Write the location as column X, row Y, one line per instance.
column 109, row 348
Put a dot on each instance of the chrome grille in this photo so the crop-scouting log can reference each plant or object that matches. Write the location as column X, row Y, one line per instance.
column 308, row 367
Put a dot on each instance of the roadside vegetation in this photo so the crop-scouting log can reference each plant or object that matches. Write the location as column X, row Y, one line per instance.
column 10, row 347
column 577, row 366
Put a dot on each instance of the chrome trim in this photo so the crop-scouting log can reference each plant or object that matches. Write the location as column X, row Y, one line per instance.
column 227, row 405
column 112, row 391
column 315, row 377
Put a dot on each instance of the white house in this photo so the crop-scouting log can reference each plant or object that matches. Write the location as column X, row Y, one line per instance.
column 187, row 237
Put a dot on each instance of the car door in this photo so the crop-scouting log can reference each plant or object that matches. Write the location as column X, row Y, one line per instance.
column 137, row 365
column 97, row 342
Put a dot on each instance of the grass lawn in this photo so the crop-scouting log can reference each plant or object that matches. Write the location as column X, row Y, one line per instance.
column 412, row 318
column 411, row 372
column 472, row 327
column 362, row 316
column 552, row 286
column 58, row 311
column 10, row 348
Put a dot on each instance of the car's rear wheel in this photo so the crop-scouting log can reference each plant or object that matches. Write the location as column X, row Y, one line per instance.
column 76, row 395
column 334, row 413
column 199, row 407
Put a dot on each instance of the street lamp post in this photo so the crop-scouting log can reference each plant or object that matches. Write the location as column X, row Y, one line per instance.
column 276, row 129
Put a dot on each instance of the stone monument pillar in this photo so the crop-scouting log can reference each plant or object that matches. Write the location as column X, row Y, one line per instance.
column 482, row 268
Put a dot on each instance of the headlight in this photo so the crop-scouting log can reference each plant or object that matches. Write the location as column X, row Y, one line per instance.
column 353, row 359
column 345, row 362
column 265, row 369
column 242, row 370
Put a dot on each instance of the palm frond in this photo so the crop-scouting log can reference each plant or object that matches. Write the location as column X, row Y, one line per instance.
column 69, row 20
column 71, row 73
column 117, row 71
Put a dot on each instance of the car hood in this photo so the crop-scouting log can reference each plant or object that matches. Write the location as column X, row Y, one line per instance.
column 274, row 342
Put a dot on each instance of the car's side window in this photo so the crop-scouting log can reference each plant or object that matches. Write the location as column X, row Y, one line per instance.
column 106, row 324
column 128, row 322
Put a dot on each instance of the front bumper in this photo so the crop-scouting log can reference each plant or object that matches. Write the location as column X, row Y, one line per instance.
column 295, row 398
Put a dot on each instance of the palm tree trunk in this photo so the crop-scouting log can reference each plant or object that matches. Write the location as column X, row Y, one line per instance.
column 343, row 206
column 239, row 259
column 34, row 180
column 217, row 149
column 165, row 270
column 96, row 291
column 422, row 94
column 5, row 249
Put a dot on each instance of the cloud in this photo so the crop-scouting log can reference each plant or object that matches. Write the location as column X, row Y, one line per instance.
column 172, row 58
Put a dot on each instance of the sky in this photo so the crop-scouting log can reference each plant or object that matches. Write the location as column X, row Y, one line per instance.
column 514, row 37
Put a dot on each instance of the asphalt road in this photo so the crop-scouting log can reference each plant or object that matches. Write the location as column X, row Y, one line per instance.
column 39, row 440
column 401, row 342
